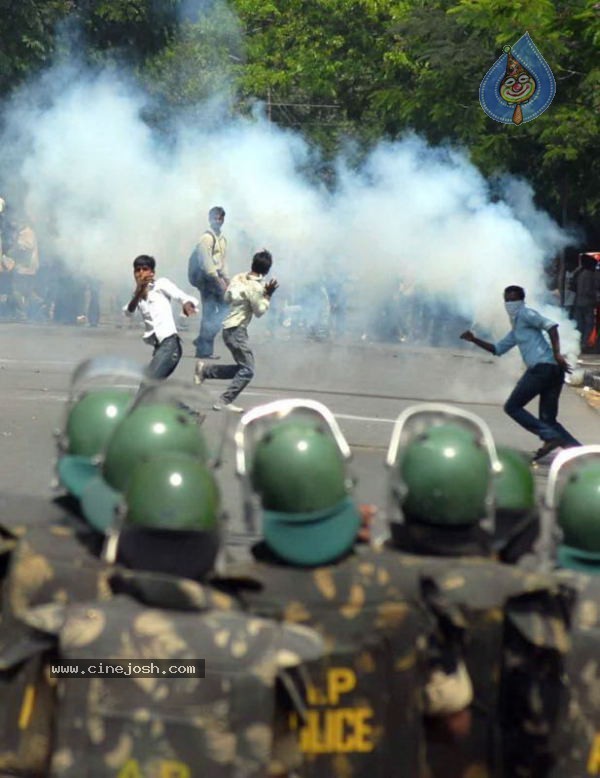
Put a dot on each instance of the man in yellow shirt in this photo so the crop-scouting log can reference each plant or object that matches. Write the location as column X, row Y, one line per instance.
column 246, row 296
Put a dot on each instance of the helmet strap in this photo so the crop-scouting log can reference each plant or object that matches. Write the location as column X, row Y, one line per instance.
column 109, row 552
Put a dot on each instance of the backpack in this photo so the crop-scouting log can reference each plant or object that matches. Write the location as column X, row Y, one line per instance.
column 195, row 269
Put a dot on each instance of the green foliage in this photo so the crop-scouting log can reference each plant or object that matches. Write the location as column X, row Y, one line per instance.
column 26, row 37
column 316, row 63
column 350, row 69
column 198, row 61
column 442, row 50
column 135, row 29
column 31, row 31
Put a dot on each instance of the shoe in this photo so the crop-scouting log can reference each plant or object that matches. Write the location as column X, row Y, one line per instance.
column 220, row 406
column 199, row 372
column 548, row 446
column 212, row 356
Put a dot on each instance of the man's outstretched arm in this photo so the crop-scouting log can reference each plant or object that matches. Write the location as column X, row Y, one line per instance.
column 484, row 344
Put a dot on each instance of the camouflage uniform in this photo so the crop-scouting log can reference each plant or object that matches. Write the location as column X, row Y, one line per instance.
column 51, row 564
column 573, row 502
column 48, row 564
column 49, row 554
column 443, row 466
column 578, row 742
column 365, row 700
column 220, row 725
column 516, row 625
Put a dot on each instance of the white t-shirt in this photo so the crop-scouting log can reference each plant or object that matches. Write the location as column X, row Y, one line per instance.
column 156, row 308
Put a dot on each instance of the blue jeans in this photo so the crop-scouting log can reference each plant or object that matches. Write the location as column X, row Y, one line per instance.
column 545, row 380
column 165, row 357
column 214, row 309
column 236, row 340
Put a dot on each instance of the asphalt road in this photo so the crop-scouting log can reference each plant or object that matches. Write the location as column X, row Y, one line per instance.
column 365, row 385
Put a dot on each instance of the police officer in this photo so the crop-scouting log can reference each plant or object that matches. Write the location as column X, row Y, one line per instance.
column 365, row 702
column 54, row 552
column 59, row 560
column 48, row 564
column 442, row 463
column 573, row 503
column 165, row 417
column 100, row 392
column 218, row 719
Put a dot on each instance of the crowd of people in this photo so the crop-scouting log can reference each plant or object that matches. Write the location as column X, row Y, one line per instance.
column 36, row 286
column 454, row 634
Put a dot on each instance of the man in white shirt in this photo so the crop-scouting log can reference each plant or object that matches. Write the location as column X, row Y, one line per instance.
column 153, row 298
column 246, row 296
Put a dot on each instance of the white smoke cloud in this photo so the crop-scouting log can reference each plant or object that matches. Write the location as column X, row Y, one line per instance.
column 102, row 187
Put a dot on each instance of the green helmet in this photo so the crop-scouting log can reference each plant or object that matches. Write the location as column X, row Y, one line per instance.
column 297, row 468
column 171, row 522
column 173, row 492
column 148, row 430
column 445, row 474
column 514, row 485
column 298, row 472
column 90, row 423
column 93, row 419
column 578, row 515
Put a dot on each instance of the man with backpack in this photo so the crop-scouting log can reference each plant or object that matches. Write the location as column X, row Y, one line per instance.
column 207, row 271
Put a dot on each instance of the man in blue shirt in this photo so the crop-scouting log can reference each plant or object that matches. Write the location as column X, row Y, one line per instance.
column 546, row 368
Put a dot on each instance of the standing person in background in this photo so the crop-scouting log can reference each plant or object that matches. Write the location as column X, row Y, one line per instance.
column 584, row 306
column 247, row 296
column 21, row 259
column 207, row 271
column 153, row 297
column 6, row 265
column 544, row 377
column 25, row 252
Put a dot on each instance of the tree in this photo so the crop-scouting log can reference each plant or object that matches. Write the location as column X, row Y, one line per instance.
column 198, row 61
column 443, row 49
column 27, row 37
column 316, row 63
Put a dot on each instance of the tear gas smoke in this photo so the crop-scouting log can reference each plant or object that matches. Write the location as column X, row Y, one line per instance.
column 102, row 187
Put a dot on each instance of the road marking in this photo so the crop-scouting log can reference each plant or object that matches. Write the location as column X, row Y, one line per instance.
column 55, row 397
column 348, row 416
column 35, row 397
column 37, row 362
